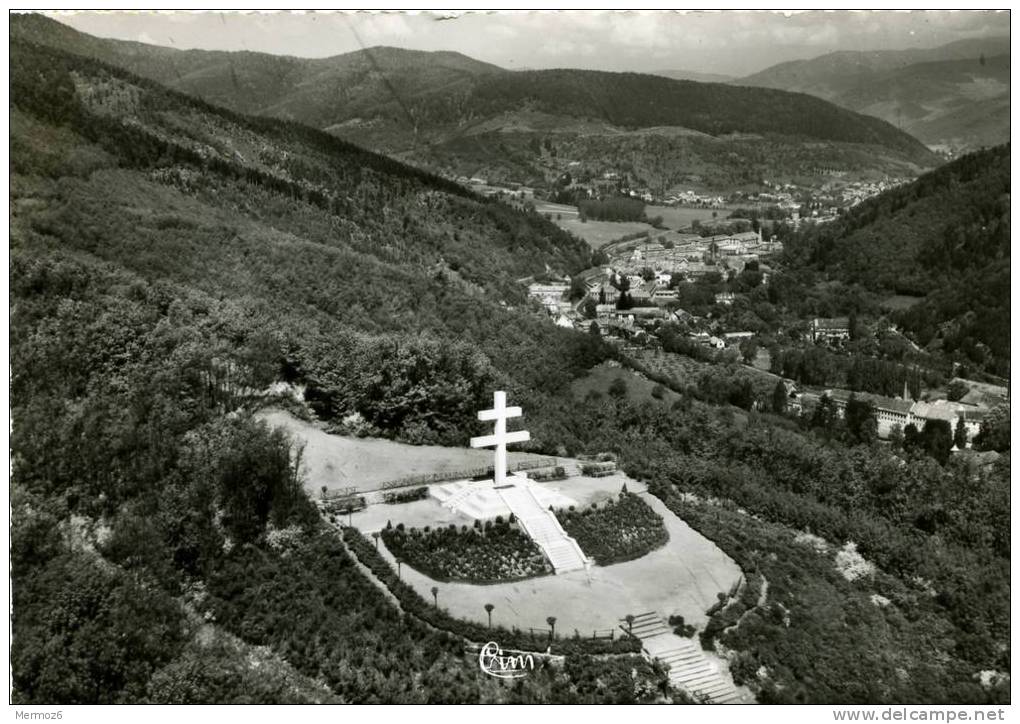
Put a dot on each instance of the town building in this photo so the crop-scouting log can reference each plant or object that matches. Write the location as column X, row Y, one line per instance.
column 890, row 412
column 549, row 295
column 642, row 293
column 830, row 330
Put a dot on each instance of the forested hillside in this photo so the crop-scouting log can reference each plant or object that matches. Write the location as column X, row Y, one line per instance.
column 944, row 237
column 460, row 116
column 829, row 73
column 168, row 260
column 956, row 94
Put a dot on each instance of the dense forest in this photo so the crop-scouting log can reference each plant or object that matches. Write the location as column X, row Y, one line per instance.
column 170, row 260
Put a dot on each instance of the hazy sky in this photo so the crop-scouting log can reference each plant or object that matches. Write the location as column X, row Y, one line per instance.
column 728, row 42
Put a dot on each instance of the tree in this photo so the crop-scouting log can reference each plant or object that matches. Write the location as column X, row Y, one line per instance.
column 593, row 329
column 994, row 432
column 588, row 307
column 956, row 390
column 824, row 417
column 896, row 437
column 618, row 388
column 749, row 349
column 779, row 398
column 435, row 595
column 911, row 438
column 375, row 534
column 551, row 620
column 629, row 618
column 861, row 424
column 578, row 288
column 488, row 610
column 658, row 392
column 937, row 439
column 960, row 434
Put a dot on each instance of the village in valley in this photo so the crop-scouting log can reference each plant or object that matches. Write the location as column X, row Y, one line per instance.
column 636, row 299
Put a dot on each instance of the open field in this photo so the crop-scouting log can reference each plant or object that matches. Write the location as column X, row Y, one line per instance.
column 600, row 233
column 680, row 217
column 596, row 233
column 683, row 577
column 338, row 461
column 639, row 387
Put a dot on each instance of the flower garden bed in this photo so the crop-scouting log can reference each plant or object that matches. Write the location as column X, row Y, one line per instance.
column 621, row 530
column 492, row 553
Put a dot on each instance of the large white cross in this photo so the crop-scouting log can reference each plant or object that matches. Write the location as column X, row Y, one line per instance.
column 500, row 437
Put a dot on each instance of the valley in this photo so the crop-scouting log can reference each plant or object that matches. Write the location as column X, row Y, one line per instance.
column 749, row 348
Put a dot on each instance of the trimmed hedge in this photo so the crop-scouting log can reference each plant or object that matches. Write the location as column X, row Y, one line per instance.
column 417, row 606
column 406, row 496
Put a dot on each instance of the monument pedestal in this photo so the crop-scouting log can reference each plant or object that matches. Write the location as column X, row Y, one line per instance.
column 482, row 500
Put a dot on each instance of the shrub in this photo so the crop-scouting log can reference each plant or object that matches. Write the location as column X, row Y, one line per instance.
column 406, row 496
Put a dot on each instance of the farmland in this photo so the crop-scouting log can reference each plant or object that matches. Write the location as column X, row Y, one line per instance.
column 596, row 233
column 681, row 217
column 681, row 370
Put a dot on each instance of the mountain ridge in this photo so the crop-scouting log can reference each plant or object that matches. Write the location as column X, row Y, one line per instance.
column 394, row 102
column 922, row 91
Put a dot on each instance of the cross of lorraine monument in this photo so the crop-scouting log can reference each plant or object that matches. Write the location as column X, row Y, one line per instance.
column 500, row 413
column 515, row 494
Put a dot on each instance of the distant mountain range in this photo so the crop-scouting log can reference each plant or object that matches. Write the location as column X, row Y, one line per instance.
column 461, row 116
column 694, row 75
column 956, row 94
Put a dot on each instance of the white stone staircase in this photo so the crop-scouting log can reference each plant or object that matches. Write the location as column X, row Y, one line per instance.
column 543, row 528
column 451, row 495
column 689, row 668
